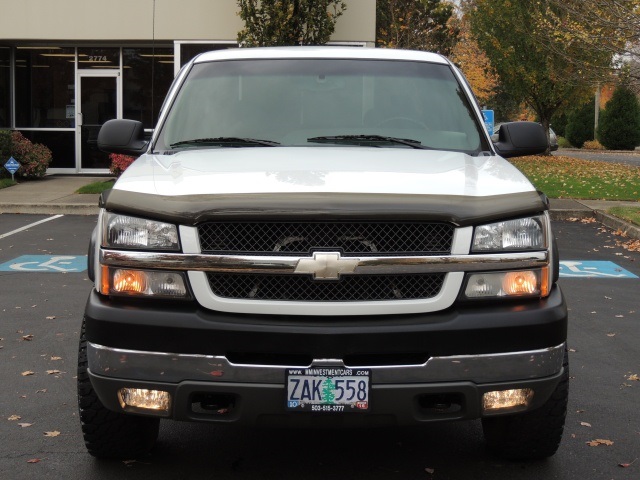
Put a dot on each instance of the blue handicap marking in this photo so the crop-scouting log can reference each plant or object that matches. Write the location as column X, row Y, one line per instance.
column 593, row 269
column 46, row 263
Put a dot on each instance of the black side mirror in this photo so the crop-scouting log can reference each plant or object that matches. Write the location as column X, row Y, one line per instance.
column 122, row 136
column 517, row 139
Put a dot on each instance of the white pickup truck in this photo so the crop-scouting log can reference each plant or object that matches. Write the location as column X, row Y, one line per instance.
column 323, row 237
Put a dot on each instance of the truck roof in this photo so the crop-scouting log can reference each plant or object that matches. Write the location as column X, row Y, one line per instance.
column 360, row 53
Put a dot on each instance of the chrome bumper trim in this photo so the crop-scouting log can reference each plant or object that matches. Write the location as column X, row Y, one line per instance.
column 175, row 368
column 290, row 265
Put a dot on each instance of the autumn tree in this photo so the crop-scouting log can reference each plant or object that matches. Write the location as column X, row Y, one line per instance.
column 415, row 24
column 609, row 30
column 473, row 62
column 527, row 71
column 288, row 22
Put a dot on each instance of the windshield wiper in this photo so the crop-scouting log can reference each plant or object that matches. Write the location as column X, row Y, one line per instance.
column 234, row 141
column 367, row 140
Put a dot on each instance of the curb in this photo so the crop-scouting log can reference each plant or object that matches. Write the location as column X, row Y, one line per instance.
column 615, row 223
column 44, row 209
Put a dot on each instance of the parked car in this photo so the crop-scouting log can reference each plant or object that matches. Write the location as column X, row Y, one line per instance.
column 323, row 237
column 553, row 138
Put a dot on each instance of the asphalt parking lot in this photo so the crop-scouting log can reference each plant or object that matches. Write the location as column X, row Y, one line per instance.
column 43, row 285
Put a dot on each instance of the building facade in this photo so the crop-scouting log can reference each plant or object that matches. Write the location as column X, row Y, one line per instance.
column 68, row 66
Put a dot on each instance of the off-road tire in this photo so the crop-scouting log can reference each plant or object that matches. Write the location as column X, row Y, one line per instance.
column 109, row 434
column 531, row 435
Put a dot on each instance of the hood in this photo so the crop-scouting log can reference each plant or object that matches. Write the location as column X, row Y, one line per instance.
column 317, row 183
column 319, row 169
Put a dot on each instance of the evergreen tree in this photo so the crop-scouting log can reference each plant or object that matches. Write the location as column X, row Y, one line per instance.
column 580, row 124
column 619, row 126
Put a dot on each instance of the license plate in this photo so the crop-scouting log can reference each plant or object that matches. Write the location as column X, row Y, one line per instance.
column 330, row 390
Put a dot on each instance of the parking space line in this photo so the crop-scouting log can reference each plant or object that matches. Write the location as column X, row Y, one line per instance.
column 22, row 229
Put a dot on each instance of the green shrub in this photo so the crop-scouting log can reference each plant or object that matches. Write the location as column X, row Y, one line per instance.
column 34, row 158
column 564, row 143
column 619, row 126
column 580, row 125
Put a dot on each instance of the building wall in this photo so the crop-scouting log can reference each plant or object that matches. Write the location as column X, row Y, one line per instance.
column 132, row 20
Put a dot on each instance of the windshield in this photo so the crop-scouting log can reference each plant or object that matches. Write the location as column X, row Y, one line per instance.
column 295, row 101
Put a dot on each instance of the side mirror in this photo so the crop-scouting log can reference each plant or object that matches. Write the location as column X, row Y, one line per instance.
column 122, row 136
column 517, row 139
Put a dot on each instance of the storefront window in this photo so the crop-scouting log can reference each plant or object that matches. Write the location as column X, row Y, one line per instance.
column 147, row 75
column 45, row 87
column 5, row 92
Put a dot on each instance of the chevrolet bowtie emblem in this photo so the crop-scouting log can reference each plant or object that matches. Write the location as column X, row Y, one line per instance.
column 326, row 265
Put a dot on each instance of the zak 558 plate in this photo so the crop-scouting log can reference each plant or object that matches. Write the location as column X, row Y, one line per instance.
column 330, row 390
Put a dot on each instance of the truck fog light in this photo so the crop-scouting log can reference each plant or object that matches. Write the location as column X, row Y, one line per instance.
column 144, row 400
column 506, row 399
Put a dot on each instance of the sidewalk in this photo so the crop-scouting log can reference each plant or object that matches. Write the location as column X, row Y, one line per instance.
column 55, row 194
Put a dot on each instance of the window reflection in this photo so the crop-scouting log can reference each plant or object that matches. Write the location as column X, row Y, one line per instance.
column 45, row 87
column 147, row 76
column 5, row 93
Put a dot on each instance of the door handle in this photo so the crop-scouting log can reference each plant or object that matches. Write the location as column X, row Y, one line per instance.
column 79, row 122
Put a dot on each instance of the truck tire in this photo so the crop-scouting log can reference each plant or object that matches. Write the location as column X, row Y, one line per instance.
column 531, row 435
column 109, row 434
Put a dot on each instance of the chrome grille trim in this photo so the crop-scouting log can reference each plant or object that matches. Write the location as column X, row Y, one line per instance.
column 274, row 264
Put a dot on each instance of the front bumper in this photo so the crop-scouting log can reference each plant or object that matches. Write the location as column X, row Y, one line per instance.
column 444, row 388
column 236, row 364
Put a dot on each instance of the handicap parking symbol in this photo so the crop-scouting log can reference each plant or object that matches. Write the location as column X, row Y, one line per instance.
column 46, row 264
column 593, row 269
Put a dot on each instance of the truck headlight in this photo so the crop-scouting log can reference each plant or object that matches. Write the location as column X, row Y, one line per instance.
column 529, row 233
column 123, row 231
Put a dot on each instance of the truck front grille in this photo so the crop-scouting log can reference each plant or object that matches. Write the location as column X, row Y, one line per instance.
column 350, row 238
column 304, row 288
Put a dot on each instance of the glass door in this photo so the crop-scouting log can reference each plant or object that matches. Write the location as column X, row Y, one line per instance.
column 98, row 100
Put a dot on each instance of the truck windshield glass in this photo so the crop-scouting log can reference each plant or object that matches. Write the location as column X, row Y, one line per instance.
column 293, row 102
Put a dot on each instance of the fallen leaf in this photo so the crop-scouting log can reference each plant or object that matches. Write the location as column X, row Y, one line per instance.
column 572, row 350
column 599, row 441
column 56, row 358
column 25, row 425
column 42, row 390
column 33, row 460
column 430, row 471
column 52, row 317
column 27, row 338
column 55, row 433
column 619, row 316
column 27, row 373
column 53, row 372
column 585, row 424
column 13, row 418
column 634, row 377
column 627, row 465
column 611, row 334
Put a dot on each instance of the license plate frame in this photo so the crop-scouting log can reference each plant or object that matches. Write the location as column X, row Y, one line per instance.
column 328, row 390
